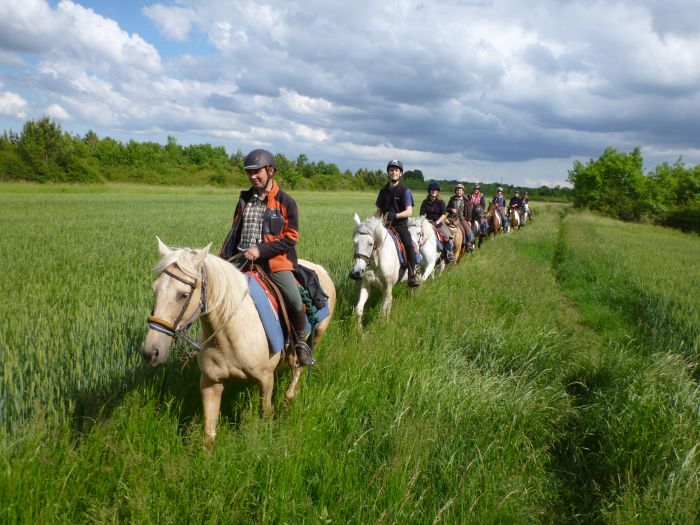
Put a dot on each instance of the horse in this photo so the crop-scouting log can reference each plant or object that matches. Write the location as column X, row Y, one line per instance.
column 494, row 220
column 424, row 235
column 479, row 224
column 194, row 284
column 527, row 215
column 452, row 223
column 514, row 219
column 377, row 263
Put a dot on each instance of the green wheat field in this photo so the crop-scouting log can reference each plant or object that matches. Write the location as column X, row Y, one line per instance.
column 552, row 377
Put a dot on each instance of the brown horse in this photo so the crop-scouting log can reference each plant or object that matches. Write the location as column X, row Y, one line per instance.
column 514, row 218
column 193, row 284
column 494, row 219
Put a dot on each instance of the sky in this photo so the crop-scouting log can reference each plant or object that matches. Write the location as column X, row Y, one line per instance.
column 472, row 90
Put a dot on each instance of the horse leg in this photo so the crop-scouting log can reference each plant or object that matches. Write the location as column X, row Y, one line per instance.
column 265, row 384
column 428, row 269
column 211, row 402
column 386, row 302
column 364, row 295
column 292, row 390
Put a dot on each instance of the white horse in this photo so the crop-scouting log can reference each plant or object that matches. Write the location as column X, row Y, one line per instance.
column 377, row 263
column 423, row 234
column 526, row 213
column 193, row 284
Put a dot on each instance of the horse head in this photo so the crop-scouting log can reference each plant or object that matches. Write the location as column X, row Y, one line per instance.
column 367, row 239
column 177, row 300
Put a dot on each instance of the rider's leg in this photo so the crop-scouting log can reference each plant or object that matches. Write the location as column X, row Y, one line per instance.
column 287, row 284
column 405, row 237
column 449, row 243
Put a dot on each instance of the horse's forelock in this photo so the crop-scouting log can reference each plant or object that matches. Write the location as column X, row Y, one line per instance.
column 180, row 256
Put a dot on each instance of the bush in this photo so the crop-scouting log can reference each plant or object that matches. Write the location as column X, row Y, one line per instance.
column 685, row 218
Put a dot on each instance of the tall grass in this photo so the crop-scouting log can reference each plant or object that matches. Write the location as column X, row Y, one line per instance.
column 481, row 400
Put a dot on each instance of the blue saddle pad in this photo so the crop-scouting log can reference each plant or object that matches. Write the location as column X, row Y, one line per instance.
column 270, row 317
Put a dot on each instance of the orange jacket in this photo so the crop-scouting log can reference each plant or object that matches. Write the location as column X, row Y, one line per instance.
column 280, row 230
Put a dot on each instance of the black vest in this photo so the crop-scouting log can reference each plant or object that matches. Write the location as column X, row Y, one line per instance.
column 392, row 199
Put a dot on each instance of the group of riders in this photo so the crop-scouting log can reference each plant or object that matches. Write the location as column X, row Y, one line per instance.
column 265, row 228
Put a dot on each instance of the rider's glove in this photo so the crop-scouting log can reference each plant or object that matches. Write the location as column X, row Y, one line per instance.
column 391, row 216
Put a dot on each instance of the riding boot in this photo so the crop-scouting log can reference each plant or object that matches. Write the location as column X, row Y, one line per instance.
column 302, row 350
column 449, row 247
column 412, row 277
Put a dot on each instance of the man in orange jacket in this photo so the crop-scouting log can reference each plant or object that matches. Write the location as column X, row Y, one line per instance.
column 265, row 230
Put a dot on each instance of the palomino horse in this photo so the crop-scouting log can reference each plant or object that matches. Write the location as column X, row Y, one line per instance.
column 514, row 219
column 452, row 223
column 193, row 285
column 494, row 219
column 377, row 262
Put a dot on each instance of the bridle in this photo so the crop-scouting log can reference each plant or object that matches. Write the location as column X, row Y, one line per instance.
column 174, row 329
column 368, row 258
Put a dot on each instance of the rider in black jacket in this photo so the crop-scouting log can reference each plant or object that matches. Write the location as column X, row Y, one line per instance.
column 395, row 203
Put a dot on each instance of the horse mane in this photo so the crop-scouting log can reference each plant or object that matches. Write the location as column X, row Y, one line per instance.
column 223, row 278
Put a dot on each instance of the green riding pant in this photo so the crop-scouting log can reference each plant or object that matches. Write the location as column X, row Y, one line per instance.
column 287, row 284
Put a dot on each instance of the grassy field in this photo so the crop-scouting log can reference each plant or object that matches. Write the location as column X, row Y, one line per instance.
column 550, row 378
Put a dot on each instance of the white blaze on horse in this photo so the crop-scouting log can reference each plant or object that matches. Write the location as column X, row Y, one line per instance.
column 377, row 264
column 194, row 284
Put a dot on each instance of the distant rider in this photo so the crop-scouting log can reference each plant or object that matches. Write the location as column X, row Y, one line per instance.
column 395, row 203
column 526, row 200
column 516, row 203
column 463, row 208
column 500, row 201
column 435, row 210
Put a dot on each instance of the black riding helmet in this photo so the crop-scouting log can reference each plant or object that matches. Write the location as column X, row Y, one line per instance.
column 396, row 163
column 259, row 158
column 433, row 186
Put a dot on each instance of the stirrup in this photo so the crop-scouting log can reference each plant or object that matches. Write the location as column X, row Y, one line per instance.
column 304, row 355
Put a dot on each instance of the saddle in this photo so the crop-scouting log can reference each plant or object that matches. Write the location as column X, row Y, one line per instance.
column 272, row 310
column 403, row 259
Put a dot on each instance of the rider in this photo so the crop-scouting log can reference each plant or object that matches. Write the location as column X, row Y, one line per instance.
column 526, row 200
column 265, row 230
column 395, row 202
column 500, row 201
column 516, row 203
column 435, row 210
column 464, row 209
column 477, row 197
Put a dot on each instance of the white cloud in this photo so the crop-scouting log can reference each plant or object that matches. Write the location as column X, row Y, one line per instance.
column 476, row 89
column 174, row 22
column 13, row 105
column 57, row 112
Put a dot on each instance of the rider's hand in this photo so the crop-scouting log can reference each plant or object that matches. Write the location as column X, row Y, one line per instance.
column 252, row 253
column 390, row 216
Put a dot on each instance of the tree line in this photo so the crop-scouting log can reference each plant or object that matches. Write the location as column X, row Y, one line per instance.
column 43, row 152
column 615, row 185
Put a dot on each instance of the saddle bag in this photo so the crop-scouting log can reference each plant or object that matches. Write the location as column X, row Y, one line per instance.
column 309, row 280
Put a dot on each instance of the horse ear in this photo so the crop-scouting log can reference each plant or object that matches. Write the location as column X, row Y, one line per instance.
column 357, row 220
column 163, row 248
column 200, row 255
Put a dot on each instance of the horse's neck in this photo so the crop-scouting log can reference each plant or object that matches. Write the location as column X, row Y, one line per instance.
column 226, row 288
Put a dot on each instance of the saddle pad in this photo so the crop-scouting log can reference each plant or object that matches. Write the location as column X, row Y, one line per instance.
column 400, row 249
column 269, row 315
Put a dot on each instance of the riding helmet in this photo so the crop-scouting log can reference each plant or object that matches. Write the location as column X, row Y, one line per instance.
column 433, row 186
column 499, row 189
column 460, row 185
column 259, row 158
column 395, row 163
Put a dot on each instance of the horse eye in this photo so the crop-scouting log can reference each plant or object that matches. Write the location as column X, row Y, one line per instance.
column 183, row 296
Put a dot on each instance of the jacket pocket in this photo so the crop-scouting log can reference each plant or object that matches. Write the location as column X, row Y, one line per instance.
column 273, row 222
